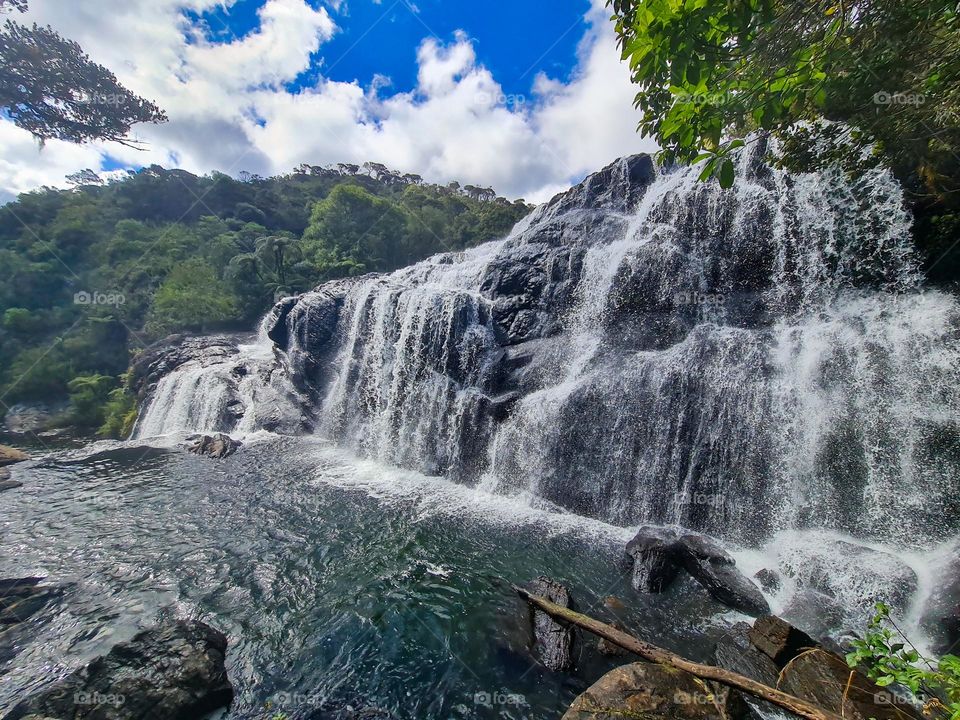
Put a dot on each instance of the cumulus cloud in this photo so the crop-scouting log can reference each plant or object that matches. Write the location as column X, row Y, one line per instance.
column 230, row 110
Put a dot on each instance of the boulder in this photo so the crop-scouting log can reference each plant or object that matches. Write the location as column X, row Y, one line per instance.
column 29, row 418
column 218, row 446
column 712, row 567
column 174, row 671
column 825, row 679
column 779, row 640
column 658, row 554
column 656, row 562
column 10, row 456
column 654, row 692
column 552, row 642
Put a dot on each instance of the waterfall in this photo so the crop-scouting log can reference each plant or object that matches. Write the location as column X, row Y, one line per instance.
column 231, row 385
column 644, row 348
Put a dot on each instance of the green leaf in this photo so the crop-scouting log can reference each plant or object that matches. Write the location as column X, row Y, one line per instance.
column 708, row 169
column 727, row 174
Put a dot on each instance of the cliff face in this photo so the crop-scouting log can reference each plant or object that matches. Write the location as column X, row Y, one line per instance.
column 646, row 347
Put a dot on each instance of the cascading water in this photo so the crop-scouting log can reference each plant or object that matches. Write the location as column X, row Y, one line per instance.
column 760, row 363
column 225, row 385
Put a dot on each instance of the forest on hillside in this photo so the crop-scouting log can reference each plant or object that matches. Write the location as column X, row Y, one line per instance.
column 90, row 275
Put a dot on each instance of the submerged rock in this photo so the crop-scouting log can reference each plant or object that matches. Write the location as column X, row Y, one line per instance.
column 769, row 579
column 11, row 456
column 658, row 555
column 552, row 642
column 839, row 569
column 654, row 692
column 218, row 446
column 6, row 483
column 22, row 597
column 174, row 671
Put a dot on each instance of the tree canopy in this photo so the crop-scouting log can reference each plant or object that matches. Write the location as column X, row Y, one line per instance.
column 711, row 71
column 89, row 275
column 50, row 87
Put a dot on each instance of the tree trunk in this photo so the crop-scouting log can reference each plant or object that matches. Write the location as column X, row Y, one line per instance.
column 659, row 655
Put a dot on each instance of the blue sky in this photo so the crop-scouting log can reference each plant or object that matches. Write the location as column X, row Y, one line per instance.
column 523, row 96
column 514, row 39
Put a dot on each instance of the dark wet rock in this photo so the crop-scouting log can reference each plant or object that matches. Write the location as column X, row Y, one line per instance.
column 654, row 692
column 735, row 652
column 174, row 671
column 712, row 567
column 552, row 642
column 778, row 639
column 20, row 598
column 165, row 356
column 656, row 560
column 11, row 456
column 825, row 679
column 618, row 187
column 217, row 446
column 305, row 326
column 658, row 554
column 941, row 611
column 7, row 484
column 769, row 580
column 816, row 614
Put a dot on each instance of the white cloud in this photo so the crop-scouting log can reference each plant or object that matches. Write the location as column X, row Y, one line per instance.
column 229, row 110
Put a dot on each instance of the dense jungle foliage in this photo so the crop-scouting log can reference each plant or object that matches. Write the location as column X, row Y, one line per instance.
column 89, row 275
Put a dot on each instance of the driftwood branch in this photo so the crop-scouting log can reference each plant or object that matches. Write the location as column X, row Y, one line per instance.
column 665, row 657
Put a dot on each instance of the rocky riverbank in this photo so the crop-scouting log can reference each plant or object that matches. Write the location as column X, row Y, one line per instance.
column 173, row 671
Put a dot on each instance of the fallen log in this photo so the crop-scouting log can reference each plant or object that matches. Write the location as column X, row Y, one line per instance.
column 665, row 657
